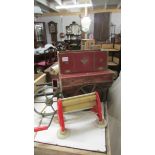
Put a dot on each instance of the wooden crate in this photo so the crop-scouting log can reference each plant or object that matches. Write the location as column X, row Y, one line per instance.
column 96, row 47
column 117, row 46
column 107, row 46
column 87, row 44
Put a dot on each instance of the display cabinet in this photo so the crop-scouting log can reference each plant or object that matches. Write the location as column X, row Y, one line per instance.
column 73, row 36
column 39, row 34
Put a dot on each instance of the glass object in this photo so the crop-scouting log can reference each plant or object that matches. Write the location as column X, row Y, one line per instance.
column 85, row 22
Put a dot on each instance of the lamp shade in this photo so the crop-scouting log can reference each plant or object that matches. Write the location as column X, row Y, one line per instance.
column 85, row 22
column 37, row 10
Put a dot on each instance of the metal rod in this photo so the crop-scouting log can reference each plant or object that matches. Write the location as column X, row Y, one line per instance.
column 52, row 119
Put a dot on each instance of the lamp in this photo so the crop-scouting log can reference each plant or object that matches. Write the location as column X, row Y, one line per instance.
column 85, row 22
column 37, row 11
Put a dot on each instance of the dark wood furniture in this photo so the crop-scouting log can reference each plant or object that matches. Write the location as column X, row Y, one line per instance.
column 101, row 26
column 73, row 44
column 114, row 57
column 53, row 31
column 39, row 34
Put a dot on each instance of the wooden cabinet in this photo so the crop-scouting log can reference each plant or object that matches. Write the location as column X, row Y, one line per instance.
column 39, row 34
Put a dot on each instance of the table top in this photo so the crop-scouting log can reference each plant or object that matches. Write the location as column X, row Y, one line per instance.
column 110, row 49
column 47, row 148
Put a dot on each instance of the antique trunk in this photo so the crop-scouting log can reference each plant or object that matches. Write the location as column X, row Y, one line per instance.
column 84, row 72
column 71, row 62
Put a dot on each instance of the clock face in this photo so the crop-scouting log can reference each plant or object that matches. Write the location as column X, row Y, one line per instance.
column 52, row 28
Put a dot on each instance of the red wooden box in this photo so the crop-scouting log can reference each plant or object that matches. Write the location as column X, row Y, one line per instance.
column 82, row 61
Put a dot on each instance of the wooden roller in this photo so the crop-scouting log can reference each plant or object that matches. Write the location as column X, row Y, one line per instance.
column 78, row 103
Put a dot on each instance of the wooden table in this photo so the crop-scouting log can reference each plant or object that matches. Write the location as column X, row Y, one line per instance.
column 110, row 49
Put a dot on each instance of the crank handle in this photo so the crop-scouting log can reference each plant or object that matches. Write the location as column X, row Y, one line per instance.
column 41, row 128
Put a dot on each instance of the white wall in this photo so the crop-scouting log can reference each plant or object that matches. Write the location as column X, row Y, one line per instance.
column 115, row 19
column 63, row 21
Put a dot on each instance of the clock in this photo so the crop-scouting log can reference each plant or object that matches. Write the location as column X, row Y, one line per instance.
column 53, row 31
column 52, row 27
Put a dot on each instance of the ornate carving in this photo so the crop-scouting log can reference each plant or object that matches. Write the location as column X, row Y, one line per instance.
column 84, row 60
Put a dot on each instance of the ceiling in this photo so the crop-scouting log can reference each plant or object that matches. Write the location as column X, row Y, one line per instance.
column 48, row 7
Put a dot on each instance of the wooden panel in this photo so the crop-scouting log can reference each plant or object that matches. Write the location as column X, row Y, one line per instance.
column 109, row 49
column 82, row 61
column 80, row 106
column 78, row 99
column 109, row 58
column 116, row 60
column 39, row 80
column 112, row 64
column 96, row 47
column 46, row 149
column 117, row 46
column 66, row 63
column 101, row 61
column 101, row 26
column 86, row 78
column 107, row 46
column 82, row 12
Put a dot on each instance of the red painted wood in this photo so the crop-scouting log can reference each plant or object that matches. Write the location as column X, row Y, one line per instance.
column 101, row 61
column 60, row 115
column 79, row 79
column 98, row 106
column 66, row 63
column 82, row 61
column 41, row 128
